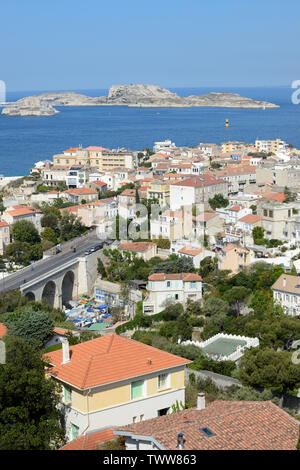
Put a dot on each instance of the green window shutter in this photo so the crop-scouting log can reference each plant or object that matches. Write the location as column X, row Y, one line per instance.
column 137, row 389
column 75, row 430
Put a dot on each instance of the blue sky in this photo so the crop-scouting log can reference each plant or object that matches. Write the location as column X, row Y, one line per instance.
column 92, row 44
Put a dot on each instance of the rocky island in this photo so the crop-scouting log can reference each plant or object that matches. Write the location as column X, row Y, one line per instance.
column 138, row 95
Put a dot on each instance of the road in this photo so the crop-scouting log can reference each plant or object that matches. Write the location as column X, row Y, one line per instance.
column 15, row 280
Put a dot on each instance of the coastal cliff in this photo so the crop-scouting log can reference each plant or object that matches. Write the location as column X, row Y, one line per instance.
column 138, row 95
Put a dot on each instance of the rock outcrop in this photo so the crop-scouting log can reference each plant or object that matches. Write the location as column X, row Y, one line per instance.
column 128, row 95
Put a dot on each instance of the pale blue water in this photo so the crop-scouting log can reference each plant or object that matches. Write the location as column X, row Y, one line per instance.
column 26, row 140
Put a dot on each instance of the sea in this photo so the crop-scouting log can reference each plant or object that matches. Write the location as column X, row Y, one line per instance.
column 26, row 140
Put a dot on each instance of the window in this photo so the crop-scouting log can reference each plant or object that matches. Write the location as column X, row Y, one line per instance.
column 207, row 432
column 163, row 381
column 137, row 389
column 176, row 296
column 141, row 417
column 67, row 394
column 134, row 419
column 75, row 431
column 168, row 283
column 163, row 412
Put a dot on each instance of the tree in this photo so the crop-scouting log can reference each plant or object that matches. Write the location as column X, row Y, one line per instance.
column 266, row 368
column 70, row 227
column 29, row 414
column 49, row 234
column 236, row 296
column 101, row 268
column 208, row 265
column 183, row 330
column 218, row 201
column 50, row 220
column 24, row 231
column 30, row 325
column 258, row 235
column 215, row 306
column 18, row 252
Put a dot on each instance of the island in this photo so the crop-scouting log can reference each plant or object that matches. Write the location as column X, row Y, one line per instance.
column 134, row 95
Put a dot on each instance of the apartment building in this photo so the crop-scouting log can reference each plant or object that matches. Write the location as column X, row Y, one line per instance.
column 160, row 191
column 282, row 175
column 113, row 380
column 78, row 176
column 232, row 214
column 174, row 287
column 100, row 213
column 97, row 157
column 274, row 146
column 232, row 147
column 54, row 175
column 196, row 190
column 172, row 225
column 238, row 177
column 277, row 220
column 286, row 292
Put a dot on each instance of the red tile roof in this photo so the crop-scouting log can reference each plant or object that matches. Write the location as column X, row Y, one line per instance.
column 250, row 219
column 174, row 277
column 99, row 183
column 109, row 359
column 90, row 441
column 79, row 191
column 199, row 181
column 136, row 246
column 244, row 425
column 190, row 251
column 3, row 330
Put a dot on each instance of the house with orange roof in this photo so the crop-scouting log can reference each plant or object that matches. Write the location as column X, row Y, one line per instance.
column 23, row 212
column 78, row 195
column 219, row 425
column 164, row 287
column 113, row 381
column 278, row 220
column 100, row 213
column 195, row 253
column 237, row 176
column 233, row 257
column 248, row 222
column 144, row 250
column 233, row 213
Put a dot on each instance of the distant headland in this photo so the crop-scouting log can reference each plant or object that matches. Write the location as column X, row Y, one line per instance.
column 135, row 95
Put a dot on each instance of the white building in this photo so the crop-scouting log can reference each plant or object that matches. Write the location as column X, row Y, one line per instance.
column 174, row 287
column 286, row 292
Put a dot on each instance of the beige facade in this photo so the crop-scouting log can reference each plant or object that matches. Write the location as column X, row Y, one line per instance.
column 286, row 292
column 277, row 220
column 234, row 258
column 159, row 190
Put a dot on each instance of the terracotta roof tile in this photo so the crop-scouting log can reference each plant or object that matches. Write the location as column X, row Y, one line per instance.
column 243, row 425
column 90, row 441
column 3, row 330
column 174, row 277
column 108, row 359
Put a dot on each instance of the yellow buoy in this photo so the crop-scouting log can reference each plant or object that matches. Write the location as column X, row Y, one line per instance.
column 227, row 123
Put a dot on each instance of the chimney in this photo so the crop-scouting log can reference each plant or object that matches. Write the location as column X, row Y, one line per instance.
column 65, row 351
column 201, row 401
column 180, row 441
column 284, row 281
column 149, row 361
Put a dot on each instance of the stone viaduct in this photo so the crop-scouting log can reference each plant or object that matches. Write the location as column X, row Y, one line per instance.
column 67, row 281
